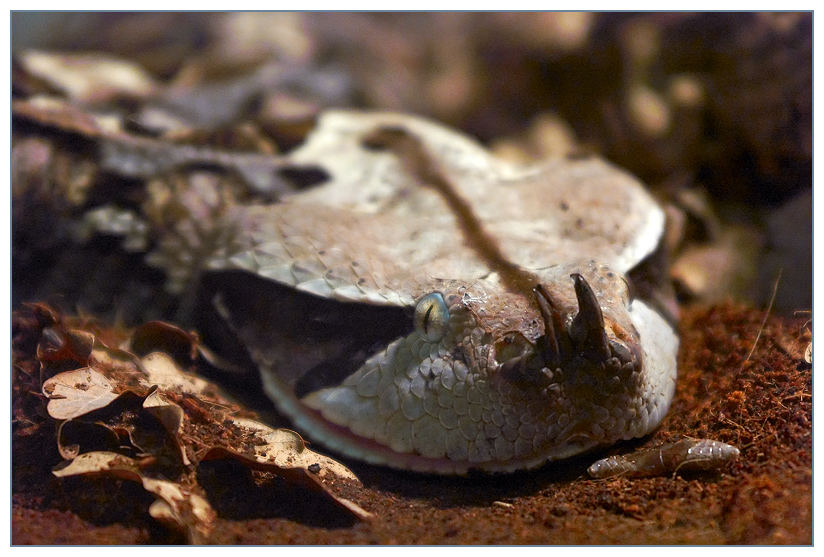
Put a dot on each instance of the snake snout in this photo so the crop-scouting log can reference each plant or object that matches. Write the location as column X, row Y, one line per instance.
column 583, row 336
column 569, row 342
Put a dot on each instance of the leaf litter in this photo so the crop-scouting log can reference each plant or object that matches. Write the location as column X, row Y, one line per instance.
column 148, row 420
column 77, row 392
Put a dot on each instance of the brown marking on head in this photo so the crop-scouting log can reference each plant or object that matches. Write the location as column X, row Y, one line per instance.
column 425, row 168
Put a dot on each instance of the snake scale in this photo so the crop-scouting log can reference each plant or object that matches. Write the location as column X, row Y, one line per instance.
column 488, row 311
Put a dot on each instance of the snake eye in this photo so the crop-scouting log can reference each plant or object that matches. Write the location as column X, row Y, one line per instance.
column 432, row 316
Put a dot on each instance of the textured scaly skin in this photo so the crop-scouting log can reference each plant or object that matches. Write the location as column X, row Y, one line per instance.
column 447, row 402
column 508, row 386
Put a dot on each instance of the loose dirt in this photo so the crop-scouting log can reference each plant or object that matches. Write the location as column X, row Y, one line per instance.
column 762, row 404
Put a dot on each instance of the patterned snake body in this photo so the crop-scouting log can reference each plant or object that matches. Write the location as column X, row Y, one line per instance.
column 524, row 344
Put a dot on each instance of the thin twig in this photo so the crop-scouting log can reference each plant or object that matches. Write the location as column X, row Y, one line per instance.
column 766, row 314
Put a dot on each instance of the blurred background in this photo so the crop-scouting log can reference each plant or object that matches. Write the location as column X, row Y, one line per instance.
column 712, row 111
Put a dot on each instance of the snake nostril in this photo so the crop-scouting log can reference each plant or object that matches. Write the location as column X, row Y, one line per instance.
column 620, row 351
column 625, row 354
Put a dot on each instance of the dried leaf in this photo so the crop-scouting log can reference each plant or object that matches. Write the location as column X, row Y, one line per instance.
column 186, row 509
column 719, row 270
column 161, row 370
column 121, row 367
column 284, row 452
column 100, row 461
column 280, row 451
column 44, row 314
column 159, row 336
column 88, row 77
column 286, row 449
column 183, row 507
column 193, row 414
column 274, row 449
column 114, row 358
column 170, row 415
column 684, row 455
column 67, row 451
column 60, row 344
column 77, row 392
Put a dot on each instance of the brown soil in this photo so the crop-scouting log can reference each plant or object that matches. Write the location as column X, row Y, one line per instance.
column 762, row 404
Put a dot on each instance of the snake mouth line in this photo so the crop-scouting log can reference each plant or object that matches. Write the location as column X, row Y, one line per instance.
column 342, row 439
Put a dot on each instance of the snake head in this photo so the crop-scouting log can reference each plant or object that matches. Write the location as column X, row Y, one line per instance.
column 507, row 383
column 488, row 374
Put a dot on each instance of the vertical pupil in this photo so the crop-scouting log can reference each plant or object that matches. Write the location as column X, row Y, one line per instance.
column 426, row 318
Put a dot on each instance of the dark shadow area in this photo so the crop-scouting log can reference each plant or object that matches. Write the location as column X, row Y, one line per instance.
column 236, row 493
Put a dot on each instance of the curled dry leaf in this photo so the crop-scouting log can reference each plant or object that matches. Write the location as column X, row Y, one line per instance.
column 196, row 419
column 161, row 370
column 280, row 451
column 284, row 452
column 185, row 508
column 170, row 415
column 66, row 450
column 59, row 344
column 88, row 77
column 77, row 392
column 795, row 343
column 285, row 448
column 121, row 366
column 161, row 336
column 184, row 346
column 718, row 270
